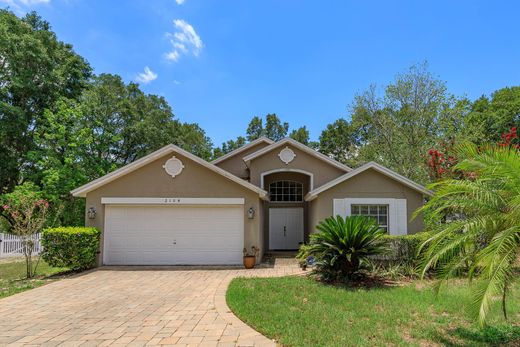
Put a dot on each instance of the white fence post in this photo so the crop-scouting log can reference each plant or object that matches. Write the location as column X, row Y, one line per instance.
column 1, row 245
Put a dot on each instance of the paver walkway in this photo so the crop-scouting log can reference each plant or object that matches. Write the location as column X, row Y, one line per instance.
column 133, row 306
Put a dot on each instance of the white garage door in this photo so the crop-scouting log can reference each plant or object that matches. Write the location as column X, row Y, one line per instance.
column 173, row 235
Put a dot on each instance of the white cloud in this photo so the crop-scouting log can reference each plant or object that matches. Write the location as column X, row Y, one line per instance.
column 147, row 76
column 173, row 55
column 184, row 40
column 176, row 82
column 180, row 2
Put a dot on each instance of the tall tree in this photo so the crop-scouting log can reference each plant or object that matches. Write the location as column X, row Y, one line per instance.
column 301, row 135
column 339, row 141
column 127, row 124
column 192, row 138
column 274, row 128
column 255, row 129
column 36, row 69
column 59, row 159
column 489, row 117
column 398, row 128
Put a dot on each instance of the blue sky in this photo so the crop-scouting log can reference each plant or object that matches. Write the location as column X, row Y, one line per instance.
column 219, row 63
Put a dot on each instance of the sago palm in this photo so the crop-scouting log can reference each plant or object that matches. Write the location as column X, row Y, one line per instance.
column 342, row 244
column 483, row 237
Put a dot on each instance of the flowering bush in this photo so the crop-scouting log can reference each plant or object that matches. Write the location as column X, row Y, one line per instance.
column 26, row 212
column 510, row 139
column 440, row 163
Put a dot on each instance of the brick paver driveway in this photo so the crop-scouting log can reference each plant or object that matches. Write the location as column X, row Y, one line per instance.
column 132, row 307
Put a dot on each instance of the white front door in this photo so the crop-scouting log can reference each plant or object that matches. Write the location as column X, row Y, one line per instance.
column 285, row 228
column 173, row 235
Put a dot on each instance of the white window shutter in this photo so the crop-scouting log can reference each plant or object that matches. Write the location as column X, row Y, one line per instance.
column 348, row 207
column 401, row 218
column 339, row 208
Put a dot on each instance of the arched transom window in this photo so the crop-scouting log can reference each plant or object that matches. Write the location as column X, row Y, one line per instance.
column 286, row 191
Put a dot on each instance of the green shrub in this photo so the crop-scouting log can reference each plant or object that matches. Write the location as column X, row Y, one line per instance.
column 404, row 249
column 342, row 245
column 72, row 247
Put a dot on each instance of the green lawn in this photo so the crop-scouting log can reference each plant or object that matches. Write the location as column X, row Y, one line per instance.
column 298, row 311
column 12, row 276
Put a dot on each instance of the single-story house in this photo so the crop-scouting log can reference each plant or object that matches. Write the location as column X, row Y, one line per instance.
column 172, row 207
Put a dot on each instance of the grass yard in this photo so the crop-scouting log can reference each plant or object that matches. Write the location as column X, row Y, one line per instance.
column 12, row 275
column 298, row 311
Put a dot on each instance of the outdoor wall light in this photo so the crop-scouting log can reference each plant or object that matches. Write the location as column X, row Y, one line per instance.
column 91, row 213
column 251, row 213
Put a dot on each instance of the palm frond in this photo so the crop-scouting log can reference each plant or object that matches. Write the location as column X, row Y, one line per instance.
column 485, row 239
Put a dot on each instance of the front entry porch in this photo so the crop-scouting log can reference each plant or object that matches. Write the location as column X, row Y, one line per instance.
column 285, row 215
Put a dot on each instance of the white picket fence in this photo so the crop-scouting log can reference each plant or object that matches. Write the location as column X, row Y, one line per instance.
column 12, row 246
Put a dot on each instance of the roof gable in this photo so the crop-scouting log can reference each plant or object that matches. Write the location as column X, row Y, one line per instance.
column 371, row 165
column 242, row 148
column 83, row 190
column 301, row 147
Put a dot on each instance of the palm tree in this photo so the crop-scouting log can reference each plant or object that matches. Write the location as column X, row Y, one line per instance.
column 480, row 234
column 343, row 244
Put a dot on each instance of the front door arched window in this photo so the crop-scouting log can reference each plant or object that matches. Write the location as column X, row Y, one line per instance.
column 286, row 191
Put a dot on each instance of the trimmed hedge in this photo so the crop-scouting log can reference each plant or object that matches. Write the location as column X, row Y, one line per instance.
column 72, row 247
column 404, row 249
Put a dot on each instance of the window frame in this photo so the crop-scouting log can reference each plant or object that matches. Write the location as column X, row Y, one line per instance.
column 291, row 184
column 358, row 207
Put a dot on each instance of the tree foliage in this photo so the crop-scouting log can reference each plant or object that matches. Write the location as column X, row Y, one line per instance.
column 110, row 125
column 414, row 125
column 229, row 146
column 397, row 128
column 339, row 141
column 36, row 69
column 301, row 135
column 274, row 129
column 490, row 117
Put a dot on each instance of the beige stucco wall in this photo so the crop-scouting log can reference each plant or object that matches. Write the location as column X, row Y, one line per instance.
column 236, row 165
column 322, row 171
column 368, row 184
column 195, row 181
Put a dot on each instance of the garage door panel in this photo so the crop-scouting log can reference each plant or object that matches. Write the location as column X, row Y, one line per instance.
column 207, row 257
column 163, row 235
column 208, row 243
column 138, row 258
column 136, row 243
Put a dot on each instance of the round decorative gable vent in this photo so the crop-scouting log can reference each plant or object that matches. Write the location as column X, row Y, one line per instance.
column 287, row 155
column 173, row 166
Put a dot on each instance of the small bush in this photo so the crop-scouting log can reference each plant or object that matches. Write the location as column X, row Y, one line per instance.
column 72, row 247
column 392, row 270
column 404, row 249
